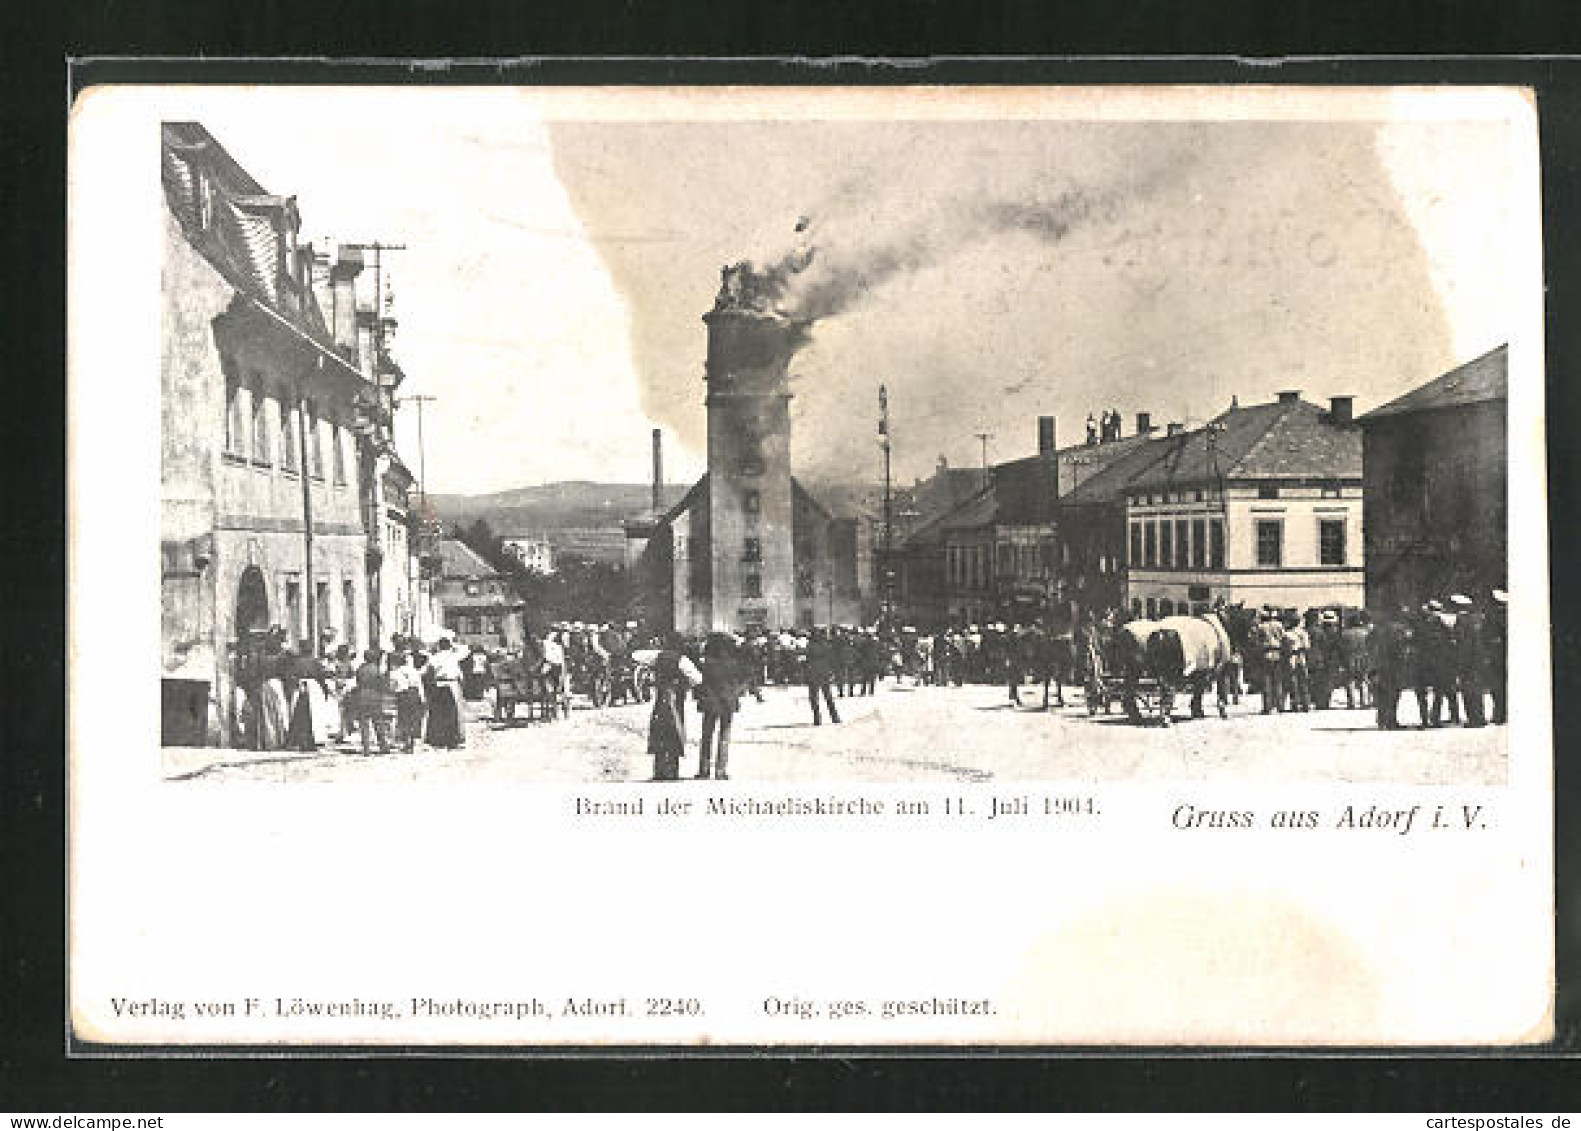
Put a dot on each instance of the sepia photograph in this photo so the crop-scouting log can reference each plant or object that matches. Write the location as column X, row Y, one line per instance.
column 1036, row 438
column 1090, row 467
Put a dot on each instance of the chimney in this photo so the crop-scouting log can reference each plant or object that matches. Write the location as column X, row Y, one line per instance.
column 1175, row 428
column 1290, row 396
column 343, row 297
column 658, row 472
column 1144, row 423
column 1341, row 409
column 1046, row 435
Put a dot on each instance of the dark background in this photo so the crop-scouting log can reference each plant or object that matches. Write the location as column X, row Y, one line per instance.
column 35, row 85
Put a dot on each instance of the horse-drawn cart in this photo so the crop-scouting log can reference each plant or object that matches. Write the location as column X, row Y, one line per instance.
column 538, row 688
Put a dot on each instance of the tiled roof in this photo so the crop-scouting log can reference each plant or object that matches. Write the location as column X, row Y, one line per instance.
column 1281, row 440
column 1108, row 484
column 458, row 560
column 1485, row 379
column 234, row 223
column 1022, row 491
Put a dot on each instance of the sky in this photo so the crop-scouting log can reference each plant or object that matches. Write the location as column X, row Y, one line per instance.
column 988, row 271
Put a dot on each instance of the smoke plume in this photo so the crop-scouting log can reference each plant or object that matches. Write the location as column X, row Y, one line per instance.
column 841, row 255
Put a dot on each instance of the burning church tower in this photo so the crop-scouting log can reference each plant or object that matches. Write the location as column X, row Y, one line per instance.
column 751, row 504
column 749, row 546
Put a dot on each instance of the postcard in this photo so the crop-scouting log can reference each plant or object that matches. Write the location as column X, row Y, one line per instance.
column 775, row 567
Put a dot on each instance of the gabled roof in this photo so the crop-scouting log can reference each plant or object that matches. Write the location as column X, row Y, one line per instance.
column 234, row 223
column 1108, row 484
column 1486, row 378
column 458, row 560
column 698, row 493
column 1285, row 439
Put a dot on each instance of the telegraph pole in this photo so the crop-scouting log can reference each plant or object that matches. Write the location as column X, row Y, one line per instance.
column 420, row 399
column 889, row 512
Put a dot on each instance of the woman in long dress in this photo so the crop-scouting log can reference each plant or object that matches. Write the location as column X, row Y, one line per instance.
column 673, row 676
column 274, row 707
column 444, row 701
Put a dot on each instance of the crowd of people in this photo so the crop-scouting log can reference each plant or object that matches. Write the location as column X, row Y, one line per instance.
column 293, row 699
column 1449, row 653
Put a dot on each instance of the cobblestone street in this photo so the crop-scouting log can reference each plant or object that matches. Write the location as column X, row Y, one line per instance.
column 911, row 734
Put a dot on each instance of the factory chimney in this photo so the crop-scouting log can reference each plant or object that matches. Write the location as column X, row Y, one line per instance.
column 658, row 472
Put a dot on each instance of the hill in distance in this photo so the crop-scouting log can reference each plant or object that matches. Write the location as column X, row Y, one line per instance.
column 551, row 507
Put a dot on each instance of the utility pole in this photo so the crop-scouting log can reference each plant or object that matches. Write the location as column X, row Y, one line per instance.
column 889, row 513
column 420, row 399
column 304, row 469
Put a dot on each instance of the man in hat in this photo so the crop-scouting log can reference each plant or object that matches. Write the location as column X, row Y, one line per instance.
column 1297, row 644
column 1324, row 660
column 1391, row 646
column 1470, row 664
column 1495, row 652
column 1436, row 664
column 1268, row 639
column 820, row 670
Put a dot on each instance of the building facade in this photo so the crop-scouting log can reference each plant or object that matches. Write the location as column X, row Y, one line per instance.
column 533, row 551
column 273, row 428
column 1437, row 487
column 475, row 602
column 1263, row 505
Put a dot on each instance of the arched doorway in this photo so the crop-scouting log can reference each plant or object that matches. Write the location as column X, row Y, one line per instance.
column 252, row 603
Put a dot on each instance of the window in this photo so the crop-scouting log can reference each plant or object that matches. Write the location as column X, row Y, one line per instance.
column 1150, row 543
column 348, row 606
column 1166, row 544
column 1332, row 492
column 288, row 434
column 1166, row 607
column 321, row 619
column 1199, row 542
column 1216, row 548
column 315, row 442
column 1196, row 496
column 235, row 416
column 337, row 449
column 1136, row 606
column 1182, row 542
column 752, row 585
column 752, row 502
column 1268, row 491
column 1136, row 544
column 752, row 550
column 1270, row 541
column 1152, row 608
column 262, row 447
column 293, row 609
column 474, row 588
column 1331, row 541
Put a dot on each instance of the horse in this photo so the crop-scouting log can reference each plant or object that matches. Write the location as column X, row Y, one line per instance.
column 1183, row 653
column 1049, row 658
column 1129, row 660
